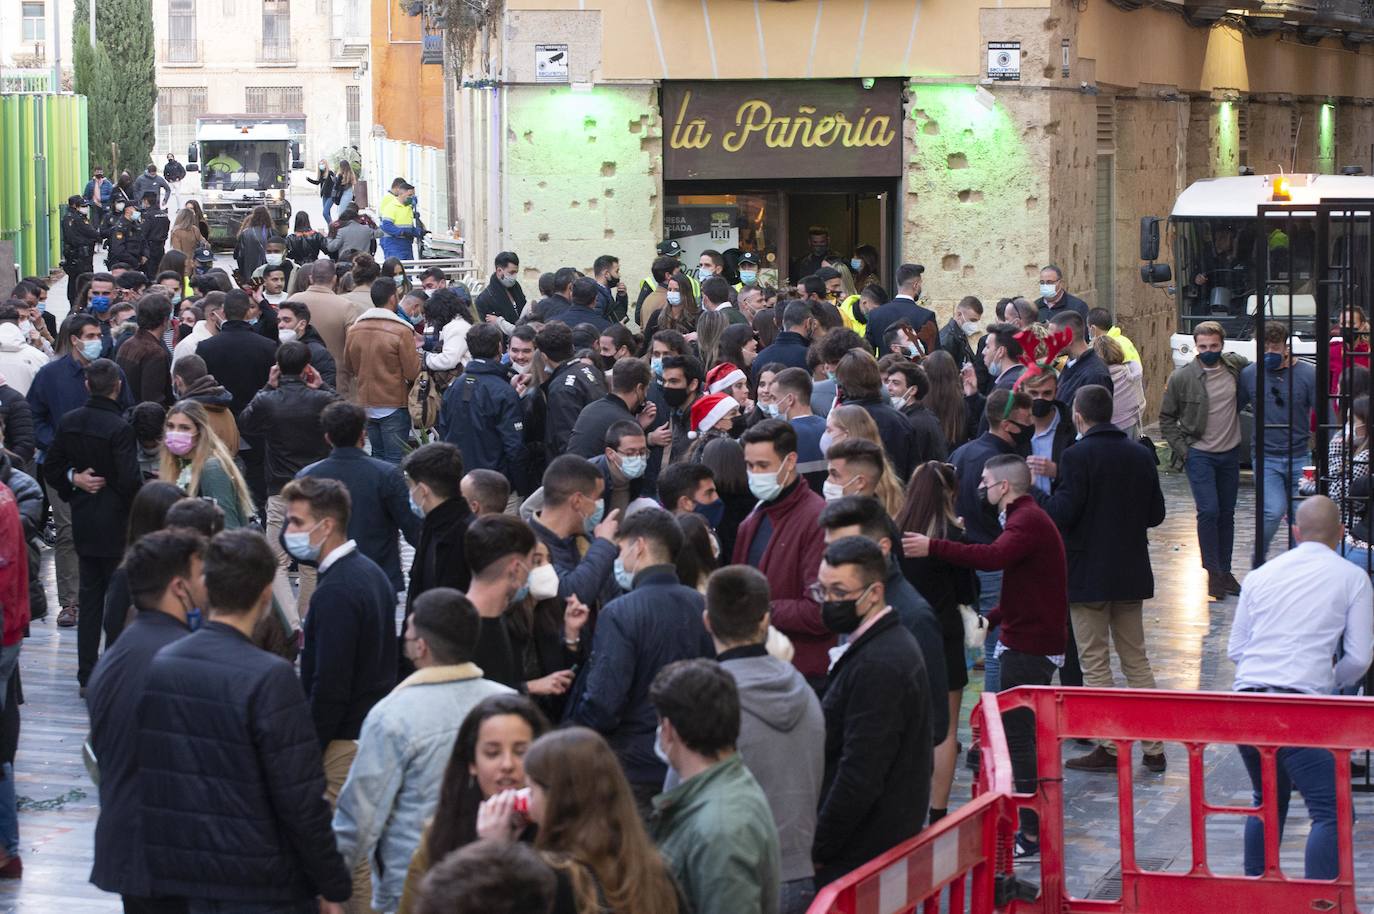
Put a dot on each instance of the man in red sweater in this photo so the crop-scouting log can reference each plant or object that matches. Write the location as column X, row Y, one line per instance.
column 1033, row 610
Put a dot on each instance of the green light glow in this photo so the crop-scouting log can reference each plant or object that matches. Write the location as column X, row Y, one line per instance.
column 1326, row 139
column 1228, row 138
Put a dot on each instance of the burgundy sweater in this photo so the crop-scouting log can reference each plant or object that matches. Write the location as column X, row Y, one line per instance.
column 1033, row 611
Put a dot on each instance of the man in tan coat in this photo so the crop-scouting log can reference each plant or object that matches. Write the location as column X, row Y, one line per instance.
column 330, row 314
column 380, row 363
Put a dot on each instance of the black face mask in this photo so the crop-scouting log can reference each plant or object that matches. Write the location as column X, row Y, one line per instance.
column 842, row 616
column 1041, row 408
column 675, row 396
column 983, row 497
column 737, row 426
column 1022, row 438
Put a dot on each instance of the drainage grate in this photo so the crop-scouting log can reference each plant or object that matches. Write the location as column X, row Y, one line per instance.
column 1108, row 888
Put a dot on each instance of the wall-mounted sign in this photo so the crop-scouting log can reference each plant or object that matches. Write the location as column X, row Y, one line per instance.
column 551, row 63
column 781, row 129
column 432, row 50
column 1004, row 60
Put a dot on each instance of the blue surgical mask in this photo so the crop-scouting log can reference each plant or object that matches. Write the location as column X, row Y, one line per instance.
column 830, row 374
column 415, row 507
column 705, row 273
column 748, row 276
column 194, row 618
column 100, row 303
column 625, row 579
column 765, row 486
column 769, row 409
column 714, row 513
column 597, row 516
column 91, row 349
column 658, row 747
column 856, row 264
column 634, row 467
column 656, row 365
column 1273, row 361
column 674, row 298
column 299, row 547
column 521, row 594
column 1047, row 290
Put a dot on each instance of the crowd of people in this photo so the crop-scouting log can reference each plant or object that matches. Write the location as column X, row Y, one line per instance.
column 699, row 565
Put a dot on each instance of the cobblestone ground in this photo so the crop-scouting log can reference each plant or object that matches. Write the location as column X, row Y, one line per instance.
column 1186, row 641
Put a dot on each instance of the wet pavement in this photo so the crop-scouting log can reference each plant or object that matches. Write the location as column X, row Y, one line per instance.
column 1186, row 639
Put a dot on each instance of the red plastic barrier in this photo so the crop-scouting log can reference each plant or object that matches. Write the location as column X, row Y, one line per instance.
column 969, row 851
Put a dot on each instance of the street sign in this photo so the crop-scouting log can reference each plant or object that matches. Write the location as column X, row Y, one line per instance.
column 551, row 63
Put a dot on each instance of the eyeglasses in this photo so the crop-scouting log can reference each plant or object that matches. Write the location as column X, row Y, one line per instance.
column 820, row 594
column 1278, row 399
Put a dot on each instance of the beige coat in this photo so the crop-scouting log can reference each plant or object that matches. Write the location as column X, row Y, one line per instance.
column 331, row 315
column 380, row 361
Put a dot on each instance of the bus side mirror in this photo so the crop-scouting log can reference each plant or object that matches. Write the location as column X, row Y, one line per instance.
column 1155, row 273
column 1149, row 238
column 192, row 153
column 296, row 160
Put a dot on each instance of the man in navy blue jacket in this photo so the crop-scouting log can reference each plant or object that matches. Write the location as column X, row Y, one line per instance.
column 789, row 347
column 1083, row 367
column 165, row 567
column 244, row 826
column 482, row 413
column 379, row 501
column 574, row 509
column 657, row 621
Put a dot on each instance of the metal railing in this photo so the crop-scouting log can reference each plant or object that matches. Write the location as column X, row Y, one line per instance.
column 182, row 52
column 278, row 52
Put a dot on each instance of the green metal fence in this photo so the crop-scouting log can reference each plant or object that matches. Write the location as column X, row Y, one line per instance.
column 43, row 144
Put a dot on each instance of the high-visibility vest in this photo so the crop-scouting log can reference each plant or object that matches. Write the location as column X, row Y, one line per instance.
column 691, row 278
column 848, row 310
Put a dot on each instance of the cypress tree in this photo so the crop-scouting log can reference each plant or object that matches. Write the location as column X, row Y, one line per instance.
column 118, row 80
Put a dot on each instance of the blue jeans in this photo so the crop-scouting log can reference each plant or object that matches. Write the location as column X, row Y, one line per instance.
column 990, row 591
column 327, row 203
column 9, row 812
column 388, row 436
column 1280, row 485
column 1357, row 554
column 1215, row 481
column 1313, row 772
column 797, row 896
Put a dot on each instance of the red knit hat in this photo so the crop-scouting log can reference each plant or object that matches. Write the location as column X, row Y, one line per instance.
column 723, row 377
column 709, row 410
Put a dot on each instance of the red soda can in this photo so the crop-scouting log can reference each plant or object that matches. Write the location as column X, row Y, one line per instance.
column 522, row 801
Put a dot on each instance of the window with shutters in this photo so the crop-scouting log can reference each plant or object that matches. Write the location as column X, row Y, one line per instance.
column 182, row 46
column 353, row 107
column 1106, row 126
column 276, row 30
column 1103, row 234
column 1243, row 129
column 177, row 110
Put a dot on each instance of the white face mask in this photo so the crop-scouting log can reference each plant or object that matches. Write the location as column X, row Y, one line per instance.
column 969, row 327
column 832, row 490
column 275, row 259
column 274, row 298
column 522, row 369
column 543, row 582
column 286, row 336
column 1047, row 290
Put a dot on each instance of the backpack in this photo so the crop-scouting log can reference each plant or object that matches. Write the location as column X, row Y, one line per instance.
column 426, row 396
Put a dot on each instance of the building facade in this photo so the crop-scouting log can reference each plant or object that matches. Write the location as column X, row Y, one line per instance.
column 264, row 57
column 33, row 35
column 980, row 139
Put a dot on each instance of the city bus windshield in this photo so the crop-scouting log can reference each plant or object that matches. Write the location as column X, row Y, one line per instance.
column 245, row 164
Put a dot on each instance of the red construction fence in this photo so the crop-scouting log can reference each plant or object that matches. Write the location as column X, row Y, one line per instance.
column 967, row 855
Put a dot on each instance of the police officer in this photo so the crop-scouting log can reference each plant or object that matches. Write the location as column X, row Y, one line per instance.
column 79, row 239
column 156, row 225
column 482, row 413
column 648, row 285
column 572, row 385
column 126, row 238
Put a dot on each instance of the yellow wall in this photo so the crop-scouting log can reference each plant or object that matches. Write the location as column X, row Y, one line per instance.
column 407, row 98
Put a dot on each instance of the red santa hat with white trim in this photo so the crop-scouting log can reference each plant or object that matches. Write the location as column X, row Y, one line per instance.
column 723, row 377
column 709, row 410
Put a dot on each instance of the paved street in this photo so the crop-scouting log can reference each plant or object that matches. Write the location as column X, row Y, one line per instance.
column 1187, row 639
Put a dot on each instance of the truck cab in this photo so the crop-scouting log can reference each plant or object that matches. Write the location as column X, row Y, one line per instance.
column 243, row 162
column 1221, row 248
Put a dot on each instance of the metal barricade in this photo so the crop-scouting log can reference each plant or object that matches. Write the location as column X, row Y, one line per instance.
column 969, row 852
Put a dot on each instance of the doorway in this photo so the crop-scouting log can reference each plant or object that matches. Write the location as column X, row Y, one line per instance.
column 773, row 220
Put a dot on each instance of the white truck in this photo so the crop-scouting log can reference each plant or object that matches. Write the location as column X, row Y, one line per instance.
column 1219, row 249
column 245, row 161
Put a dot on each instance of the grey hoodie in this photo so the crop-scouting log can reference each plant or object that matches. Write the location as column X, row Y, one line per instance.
column 782, row 742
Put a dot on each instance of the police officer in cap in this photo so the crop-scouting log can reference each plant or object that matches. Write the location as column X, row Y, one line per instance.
column 748, row 267
column 156, row 225
column 648, row 285
column 79, row 239
column 126, row 238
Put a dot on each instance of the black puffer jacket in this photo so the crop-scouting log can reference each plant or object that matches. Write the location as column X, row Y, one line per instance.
column 18, row 416
column 231, row 778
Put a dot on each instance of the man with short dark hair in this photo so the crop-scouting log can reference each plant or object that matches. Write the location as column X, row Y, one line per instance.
column 330, row 314
column 782, row 729
column 1084, row 366
column 486, row 492
column 715, row 828
column 572, row 384
column 907, row 386
column 1100, row 323
column 144, row 358
column 682, row 381
column 574, row 510
column 560, row 299
column 715, row 296
column 628, row 401
column 1031, row 614
column 489, row 877
column 482, row 413
column 93, row 466
column 503, row 300
column 656, row 621
column 262, row 790
column 783, row 538
column 380, row 363
column 612, row 301
column 393, row 786
column 878, row 745
column 377, row 493
column 829, row 351
column 165, row 568
column 690, row 488
column 1106, row 539
column 791, row 391
column 582, row 310
column 904, row 307
column 789, row 347
column 1054, row 299
column 293, row 325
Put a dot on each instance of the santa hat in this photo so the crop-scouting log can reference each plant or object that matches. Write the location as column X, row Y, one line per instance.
column 723, row 377
column 709, row 410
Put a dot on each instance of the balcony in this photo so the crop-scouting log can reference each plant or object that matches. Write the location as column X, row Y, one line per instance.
column 1312, row 20
column 347, row 52
column 180, row 52
column 277, row 53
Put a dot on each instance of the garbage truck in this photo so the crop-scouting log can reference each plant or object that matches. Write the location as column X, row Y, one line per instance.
column 243, row 161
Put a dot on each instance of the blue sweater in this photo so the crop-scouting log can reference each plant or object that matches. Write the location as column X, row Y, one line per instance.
column 1295, row 413
column 57, row 389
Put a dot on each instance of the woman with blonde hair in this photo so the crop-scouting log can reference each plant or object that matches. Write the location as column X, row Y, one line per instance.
column 847, row 423
column 589, row 828
column 344, row 179
column 186, row 236
column 198, row 463
column 201, row 223
column 1128, row 386
column 710, row 328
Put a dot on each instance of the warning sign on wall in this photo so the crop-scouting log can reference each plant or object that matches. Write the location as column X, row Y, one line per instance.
column 551, row 63
column 1004, row 60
